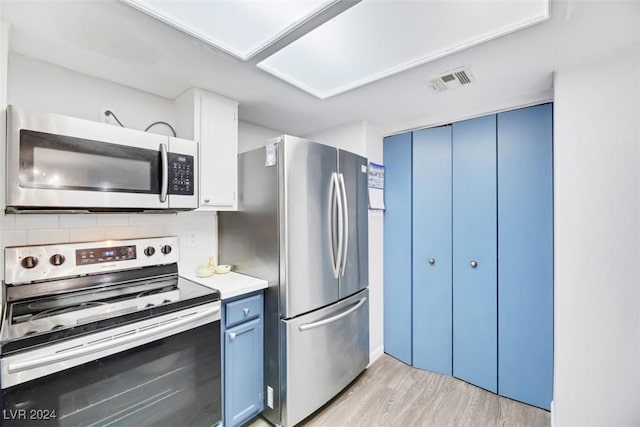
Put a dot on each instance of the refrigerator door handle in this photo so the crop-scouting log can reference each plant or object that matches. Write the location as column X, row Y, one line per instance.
column 345, row 234
column 333, row 201
column 307, row 326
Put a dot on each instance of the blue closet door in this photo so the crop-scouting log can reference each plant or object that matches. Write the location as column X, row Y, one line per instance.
column 432, row 249
column 525, row 254
column 474, row 252
column 397, row 247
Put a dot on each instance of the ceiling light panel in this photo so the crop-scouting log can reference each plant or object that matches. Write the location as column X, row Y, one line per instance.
column 239, row 27
column 378, row 38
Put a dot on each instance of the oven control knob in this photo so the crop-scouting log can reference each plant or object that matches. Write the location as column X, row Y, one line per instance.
column 29, row 262
column 56, row 259
column 149, row 250
column 165, row 249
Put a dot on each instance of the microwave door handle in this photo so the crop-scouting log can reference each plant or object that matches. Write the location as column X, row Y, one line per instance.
column 164, row 184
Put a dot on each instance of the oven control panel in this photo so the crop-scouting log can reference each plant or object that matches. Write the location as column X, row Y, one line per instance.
column 108, row 254
column 27, row 264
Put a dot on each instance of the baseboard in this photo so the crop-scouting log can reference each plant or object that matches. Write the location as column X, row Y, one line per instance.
column 375, row 355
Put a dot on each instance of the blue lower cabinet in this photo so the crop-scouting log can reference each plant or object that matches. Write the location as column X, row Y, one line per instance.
column 397, row 247
column 475, row 287
column 243, row 360
column 525, row 253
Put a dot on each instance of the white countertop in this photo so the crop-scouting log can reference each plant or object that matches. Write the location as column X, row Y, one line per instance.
column 230, row 284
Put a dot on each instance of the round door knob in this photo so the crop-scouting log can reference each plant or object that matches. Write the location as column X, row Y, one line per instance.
column 56, row 259
column 149, row 250
column 165, row 249
column 473, row 263
column 232, row 336
column 431, row 261
column 29, row 262
column 246, row 311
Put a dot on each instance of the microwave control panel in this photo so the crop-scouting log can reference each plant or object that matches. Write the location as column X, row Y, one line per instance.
column 180, row 174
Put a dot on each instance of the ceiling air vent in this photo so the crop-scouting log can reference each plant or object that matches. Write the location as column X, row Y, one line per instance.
column 452, row 79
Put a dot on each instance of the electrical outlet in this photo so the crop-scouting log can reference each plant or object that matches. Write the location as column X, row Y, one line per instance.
column 192, row 239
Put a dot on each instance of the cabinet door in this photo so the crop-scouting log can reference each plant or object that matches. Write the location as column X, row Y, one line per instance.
column 525, row 254
column 397, row 247
column 432, row 249
column 475, row 345
column 243, row 372
column 218, row 153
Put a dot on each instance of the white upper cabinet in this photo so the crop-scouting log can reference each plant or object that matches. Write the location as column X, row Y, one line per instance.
column 213, row 121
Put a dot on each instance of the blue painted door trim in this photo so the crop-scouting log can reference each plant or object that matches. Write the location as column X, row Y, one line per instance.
column 397, row 247
column 432, row 333
column 475, row 239
column 525, row 253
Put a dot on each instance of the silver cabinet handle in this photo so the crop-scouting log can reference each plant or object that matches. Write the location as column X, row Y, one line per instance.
column 207, row 200
column 232, row 336
column 473, row 263
column 319, row 323
column 431, row 261
column 164, row 185
column 343, row 191
column 246, row 311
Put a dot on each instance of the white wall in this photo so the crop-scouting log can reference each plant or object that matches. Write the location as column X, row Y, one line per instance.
column 349, row 136
column 365, row 139
column 54, row 89
column 373, row 151
column 252, row 136
column 49, row 88
column 597, row 249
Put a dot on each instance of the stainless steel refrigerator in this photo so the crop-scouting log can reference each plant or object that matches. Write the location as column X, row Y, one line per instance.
column 302, row 224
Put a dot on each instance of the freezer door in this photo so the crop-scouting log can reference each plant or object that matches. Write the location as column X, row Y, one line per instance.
column 324, row 350
column 305, row 186
column 354, row 269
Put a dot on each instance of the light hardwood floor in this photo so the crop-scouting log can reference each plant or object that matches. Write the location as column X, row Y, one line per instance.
column 392, row 394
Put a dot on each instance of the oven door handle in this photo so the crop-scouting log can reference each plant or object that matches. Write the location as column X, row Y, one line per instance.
column 158, row 332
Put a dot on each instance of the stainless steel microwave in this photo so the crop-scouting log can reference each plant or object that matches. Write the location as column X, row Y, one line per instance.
column 59, row 163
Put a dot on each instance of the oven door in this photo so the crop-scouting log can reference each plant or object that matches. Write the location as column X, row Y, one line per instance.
column 173, row 380
column 63, row 162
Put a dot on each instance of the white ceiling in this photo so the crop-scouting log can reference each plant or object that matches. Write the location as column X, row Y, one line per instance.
column 110, row 40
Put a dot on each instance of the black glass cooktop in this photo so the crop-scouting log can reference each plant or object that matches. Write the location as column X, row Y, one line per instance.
column 44, row 320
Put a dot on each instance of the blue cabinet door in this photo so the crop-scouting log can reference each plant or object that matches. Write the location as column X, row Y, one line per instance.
column 525, row 254
column 432, row 332
column 474, row 252
column 397, row 247
column 243, row 368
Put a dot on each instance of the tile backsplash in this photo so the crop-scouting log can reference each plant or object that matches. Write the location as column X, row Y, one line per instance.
column 198, row 231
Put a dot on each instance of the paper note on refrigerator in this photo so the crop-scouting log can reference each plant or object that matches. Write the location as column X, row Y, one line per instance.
column 376, row 186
